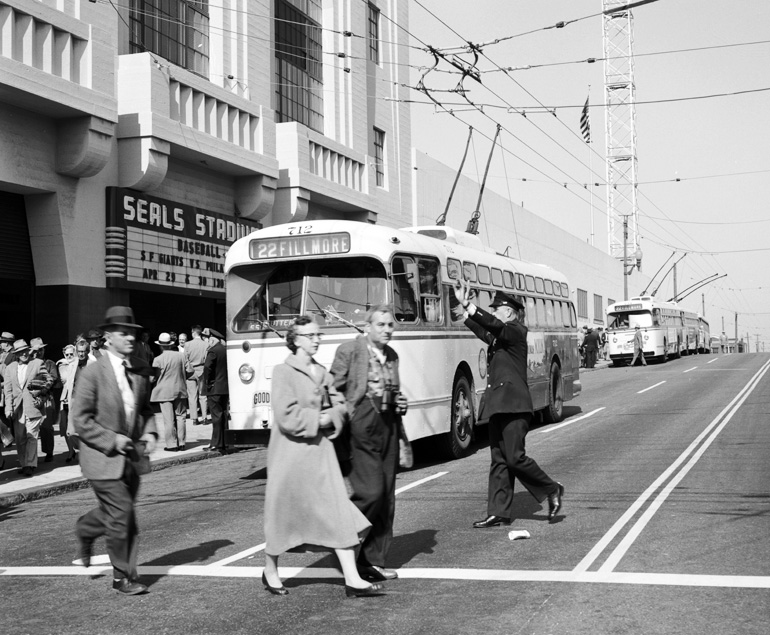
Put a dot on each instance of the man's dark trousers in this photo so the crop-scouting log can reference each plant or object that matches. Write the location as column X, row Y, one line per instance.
column 374, row 460
column 507, row 434
column 116, row 518
column 217, row 405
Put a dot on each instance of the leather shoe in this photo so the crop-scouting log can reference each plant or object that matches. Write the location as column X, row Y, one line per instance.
column 129, row 587
column 554, row 501
column 275, row 590
column 169, row 449
column 86, row 551
column 208, row 448
column 378, row 574
column 371, row 591
column 491, row 521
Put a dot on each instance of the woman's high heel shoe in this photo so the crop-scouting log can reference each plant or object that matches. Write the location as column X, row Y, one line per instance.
column 281, row 590
column 370, row 591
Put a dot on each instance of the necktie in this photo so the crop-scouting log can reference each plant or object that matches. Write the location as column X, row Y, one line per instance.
column 127, row 370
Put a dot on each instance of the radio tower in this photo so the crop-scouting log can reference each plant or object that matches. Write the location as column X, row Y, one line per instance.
column 620, row 123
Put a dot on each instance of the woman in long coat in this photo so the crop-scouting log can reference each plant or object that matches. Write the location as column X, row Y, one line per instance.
column 306, row 502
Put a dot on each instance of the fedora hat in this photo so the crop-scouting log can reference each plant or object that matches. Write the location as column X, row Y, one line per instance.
column 7, row 337
column 207, row 332
column 164, row 339
column 19, row 346
column 503, row 299
column 119, row 316
column 36, row 343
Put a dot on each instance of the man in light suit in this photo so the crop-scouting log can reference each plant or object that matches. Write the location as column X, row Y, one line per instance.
column 365, row 370
column 26, row 384
column 194, row 358
column 115, row 423
column 170, row 393
column 507, row 404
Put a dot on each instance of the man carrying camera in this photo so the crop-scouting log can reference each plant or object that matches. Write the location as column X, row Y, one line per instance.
column 365, row 371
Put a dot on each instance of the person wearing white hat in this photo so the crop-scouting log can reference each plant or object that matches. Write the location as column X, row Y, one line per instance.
column 23, row 405
column 170, row 392
column 6, row 357
column 37, row 346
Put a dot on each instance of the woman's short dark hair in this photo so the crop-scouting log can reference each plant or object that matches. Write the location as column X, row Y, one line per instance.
column 291, row 333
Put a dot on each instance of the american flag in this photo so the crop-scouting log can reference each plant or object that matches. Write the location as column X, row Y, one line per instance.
column 585, row 124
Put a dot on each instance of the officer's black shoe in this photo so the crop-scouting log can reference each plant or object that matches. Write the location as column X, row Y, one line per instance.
column 491, row 521
column 554, row 501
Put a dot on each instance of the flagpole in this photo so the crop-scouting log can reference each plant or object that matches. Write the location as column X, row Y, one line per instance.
column 590, row 177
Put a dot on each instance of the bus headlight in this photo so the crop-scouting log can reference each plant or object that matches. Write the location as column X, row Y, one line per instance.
column 246, row 373
column 614, row 340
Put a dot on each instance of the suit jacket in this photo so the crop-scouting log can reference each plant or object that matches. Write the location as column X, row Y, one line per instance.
column 18, row 398
column 350, row 369
column 195, row 356
column 215, row 371
column 98, row 415
column 171, row 383
column 507, row 390
column 592, row 341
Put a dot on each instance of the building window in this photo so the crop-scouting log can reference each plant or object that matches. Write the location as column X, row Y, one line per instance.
column 598, row 309
column 582, row 304
column 610, row 301
column 176, row 30
column 298, row 64
column 379, row 157
column 374, row 34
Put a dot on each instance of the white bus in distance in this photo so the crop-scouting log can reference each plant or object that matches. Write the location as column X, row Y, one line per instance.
column 338, row 270
column 667, row 329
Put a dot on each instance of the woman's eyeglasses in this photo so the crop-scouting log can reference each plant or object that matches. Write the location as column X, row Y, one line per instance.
column 311, row 336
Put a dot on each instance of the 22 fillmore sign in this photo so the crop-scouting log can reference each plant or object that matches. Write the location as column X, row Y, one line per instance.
column 154, row 243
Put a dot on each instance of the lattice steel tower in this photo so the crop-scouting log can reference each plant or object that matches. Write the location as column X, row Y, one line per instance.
column 620, row 126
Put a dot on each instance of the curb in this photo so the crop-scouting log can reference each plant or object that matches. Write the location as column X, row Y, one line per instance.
column 54, row 489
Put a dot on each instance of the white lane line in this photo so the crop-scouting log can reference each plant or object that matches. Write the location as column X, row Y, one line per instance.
column 484, row 575
column 625, row 544
column 660, row 383
column 252, row 550
column 689, row 369
column 600, row 546
column 713, row 360
column 566, row 423
column 420, row 482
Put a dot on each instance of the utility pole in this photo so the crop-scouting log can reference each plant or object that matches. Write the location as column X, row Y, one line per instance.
column 625, row 257
column 736, row 331
column 675, row 291
column 703, row 305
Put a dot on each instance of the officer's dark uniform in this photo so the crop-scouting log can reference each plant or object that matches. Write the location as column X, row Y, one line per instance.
column 508, row 406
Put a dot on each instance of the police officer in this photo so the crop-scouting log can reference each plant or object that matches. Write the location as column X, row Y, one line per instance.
column 508, row 406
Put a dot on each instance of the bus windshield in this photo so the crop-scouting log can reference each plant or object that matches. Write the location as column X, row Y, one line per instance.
column 276, row 293
column 628, row 320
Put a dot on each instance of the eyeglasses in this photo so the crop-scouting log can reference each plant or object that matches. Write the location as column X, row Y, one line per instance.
column 69, row 354
column 311, row 336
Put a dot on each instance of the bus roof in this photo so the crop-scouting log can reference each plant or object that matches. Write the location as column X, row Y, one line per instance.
column 381, row 241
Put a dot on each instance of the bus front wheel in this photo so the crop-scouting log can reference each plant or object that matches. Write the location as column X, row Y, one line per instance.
column 554, row 411
column 460, row 433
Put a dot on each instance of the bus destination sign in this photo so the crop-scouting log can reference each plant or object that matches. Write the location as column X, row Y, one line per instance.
column 156, row 244
column 300, row 245
column 628, row 307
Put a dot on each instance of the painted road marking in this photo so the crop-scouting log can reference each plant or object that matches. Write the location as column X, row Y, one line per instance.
column 689, row 369
column 483, row 575
column 600, row 546
column 660, row 383
column 713, row 360
column 566, row 423
column 252, row 550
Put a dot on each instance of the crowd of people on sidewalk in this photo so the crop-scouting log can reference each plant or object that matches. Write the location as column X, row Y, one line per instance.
column 188, row 378
column 592, row 345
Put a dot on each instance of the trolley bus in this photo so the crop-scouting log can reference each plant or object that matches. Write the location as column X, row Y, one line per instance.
column 337, row 270
column 668, row 330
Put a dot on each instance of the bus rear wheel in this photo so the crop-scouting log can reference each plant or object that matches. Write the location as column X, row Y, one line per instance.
column 554, row 411
column 463, row 419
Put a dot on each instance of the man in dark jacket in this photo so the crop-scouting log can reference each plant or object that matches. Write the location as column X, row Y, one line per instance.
column 591, row 343
column 215, row 388
column 508, row 406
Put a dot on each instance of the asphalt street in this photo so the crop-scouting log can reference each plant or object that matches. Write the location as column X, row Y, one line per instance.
column 664, row 530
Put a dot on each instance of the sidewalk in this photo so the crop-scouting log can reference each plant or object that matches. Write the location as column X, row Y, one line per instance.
column 57, row 476
column 600, row 363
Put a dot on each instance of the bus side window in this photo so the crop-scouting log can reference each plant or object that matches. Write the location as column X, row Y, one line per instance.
column 565, row 314
column 541, row 319
column 403, row 276
column 572, row 315
column 430, row 300
column 531, row 312
column 549, row 313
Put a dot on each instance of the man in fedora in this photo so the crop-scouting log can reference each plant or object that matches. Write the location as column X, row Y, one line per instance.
column 24, row 402
column 170, row 392
column 508, row 406
column 37, row 346
column 113, row 418
column 215, row 387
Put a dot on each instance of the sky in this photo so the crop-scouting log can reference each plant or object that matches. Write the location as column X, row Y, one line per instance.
column 717, row 147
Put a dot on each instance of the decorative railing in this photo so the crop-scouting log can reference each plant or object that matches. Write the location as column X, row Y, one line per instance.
column 336, row 167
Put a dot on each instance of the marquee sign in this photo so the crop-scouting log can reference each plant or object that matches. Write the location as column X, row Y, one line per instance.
column 156, row 244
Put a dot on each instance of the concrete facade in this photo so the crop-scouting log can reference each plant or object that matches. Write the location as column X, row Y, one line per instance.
column 80, row 114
